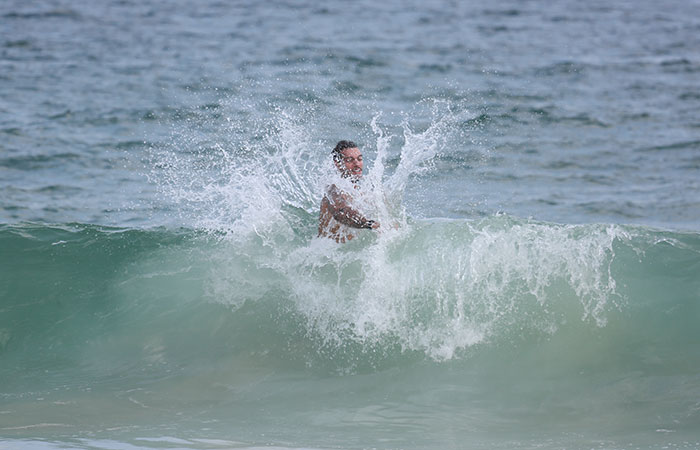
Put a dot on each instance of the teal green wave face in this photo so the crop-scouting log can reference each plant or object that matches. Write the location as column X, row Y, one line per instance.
column 434, row 290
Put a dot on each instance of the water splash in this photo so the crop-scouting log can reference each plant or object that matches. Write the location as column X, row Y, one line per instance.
column 436, row 287
column 443, row 287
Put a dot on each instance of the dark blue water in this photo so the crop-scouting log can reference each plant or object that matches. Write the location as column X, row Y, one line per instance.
column 161, row 165
column 572, row 112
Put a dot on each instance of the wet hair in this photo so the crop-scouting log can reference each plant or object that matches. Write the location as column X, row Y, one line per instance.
column 339, row 147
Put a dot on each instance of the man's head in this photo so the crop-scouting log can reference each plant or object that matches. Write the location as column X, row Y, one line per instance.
column 348, row 159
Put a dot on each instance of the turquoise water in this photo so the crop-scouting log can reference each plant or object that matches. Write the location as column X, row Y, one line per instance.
column 162, row 285
column 498, row 332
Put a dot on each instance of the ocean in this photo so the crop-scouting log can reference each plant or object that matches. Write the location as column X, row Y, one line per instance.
column 534, row 284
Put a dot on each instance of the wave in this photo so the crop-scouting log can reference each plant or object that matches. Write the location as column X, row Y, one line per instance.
column 434, row 290
column 246, row 275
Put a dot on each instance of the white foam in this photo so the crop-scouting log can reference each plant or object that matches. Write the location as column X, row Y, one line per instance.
column 438, row 287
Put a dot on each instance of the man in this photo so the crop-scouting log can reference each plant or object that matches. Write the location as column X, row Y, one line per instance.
column 339, row 218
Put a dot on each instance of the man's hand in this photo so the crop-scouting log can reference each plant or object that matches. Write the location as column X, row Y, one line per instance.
column 371, row 225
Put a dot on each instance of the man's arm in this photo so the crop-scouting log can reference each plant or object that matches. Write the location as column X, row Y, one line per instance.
column 344, row 213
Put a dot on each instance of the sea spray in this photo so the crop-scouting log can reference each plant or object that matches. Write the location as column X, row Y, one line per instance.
column 436, row 288
column 236, row 185
column 260, row 166
column 440, row 288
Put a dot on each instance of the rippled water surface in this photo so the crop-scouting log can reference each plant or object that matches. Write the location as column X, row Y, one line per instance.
column 568, row 112
column 162, row 286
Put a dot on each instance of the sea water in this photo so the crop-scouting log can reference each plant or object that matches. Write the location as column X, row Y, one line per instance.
column 535, row 282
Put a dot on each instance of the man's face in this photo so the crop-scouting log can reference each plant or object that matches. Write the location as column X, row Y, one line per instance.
column 350, row 165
